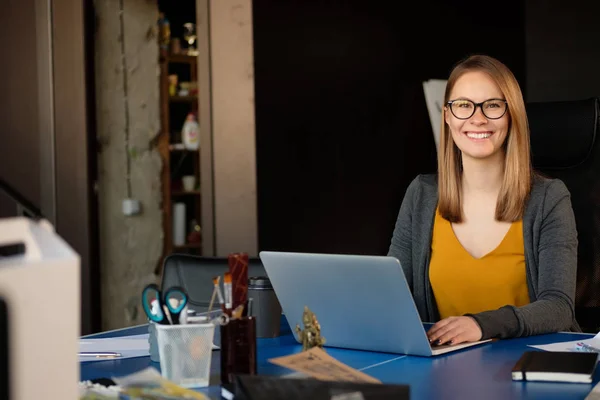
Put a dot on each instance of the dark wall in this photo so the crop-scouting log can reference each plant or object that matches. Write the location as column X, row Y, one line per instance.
column 76, row 212
column 7, row 206
column 342, row 124
column 563, row 49
column 19, row 115
column 47, row 130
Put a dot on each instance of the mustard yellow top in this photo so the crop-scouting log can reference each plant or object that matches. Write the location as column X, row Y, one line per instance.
column 463, row 284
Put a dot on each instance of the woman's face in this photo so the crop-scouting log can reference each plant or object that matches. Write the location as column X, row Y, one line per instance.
column 477, row 136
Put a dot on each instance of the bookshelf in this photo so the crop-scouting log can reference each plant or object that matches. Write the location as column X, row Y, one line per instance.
column 178, row 161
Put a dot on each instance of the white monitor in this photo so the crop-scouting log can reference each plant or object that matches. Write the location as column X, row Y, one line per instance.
column 39, row 312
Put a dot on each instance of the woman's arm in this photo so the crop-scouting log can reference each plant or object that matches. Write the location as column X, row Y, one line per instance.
column 401, row 245
column 554, row 308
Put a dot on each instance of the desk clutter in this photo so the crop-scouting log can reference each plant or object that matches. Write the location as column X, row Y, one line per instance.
column 185, row 334
column 275, row 388
column 580, row 346
column 184, row 339
column 171, row 305
column 145, row 384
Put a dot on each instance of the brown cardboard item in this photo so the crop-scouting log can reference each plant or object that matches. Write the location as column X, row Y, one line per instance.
column 320, row 365
column 238, row 267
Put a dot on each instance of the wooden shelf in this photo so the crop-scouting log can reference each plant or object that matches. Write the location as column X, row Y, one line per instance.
column 182, row 150
column 188, row 246
column 179, row 58
column 183, row 99
column 188, row 161
column 185, row 193
column 169, row 151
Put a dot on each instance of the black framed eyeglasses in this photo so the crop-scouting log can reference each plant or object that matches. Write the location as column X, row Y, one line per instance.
column 465, row 109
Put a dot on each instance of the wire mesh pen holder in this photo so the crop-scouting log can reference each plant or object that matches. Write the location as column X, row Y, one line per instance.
column 185, row 353
column 238, row 348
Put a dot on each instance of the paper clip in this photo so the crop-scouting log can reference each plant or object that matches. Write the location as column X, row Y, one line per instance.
column 586, row 348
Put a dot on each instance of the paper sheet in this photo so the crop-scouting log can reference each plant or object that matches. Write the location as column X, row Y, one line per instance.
column 128, row 346
column 320, row 365
column 434, row 97
column 594, row 394
column 570, row 345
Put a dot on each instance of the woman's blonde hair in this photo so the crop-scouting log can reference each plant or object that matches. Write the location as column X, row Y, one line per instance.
column 516, row 183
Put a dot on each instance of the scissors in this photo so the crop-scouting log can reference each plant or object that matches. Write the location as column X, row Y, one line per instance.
column 164, row 308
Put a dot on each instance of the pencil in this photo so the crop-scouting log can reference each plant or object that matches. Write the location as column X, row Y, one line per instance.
column 228, row 293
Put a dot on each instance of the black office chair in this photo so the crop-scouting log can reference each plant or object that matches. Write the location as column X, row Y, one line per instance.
column 564, row 145
column 195, row 273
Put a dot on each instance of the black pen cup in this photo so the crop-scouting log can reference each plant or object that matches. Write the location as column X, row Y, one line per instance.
column 238, row 348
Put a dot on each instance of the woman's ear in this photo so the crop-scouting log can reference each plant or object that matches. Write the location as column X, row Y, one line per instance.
column 446, row 114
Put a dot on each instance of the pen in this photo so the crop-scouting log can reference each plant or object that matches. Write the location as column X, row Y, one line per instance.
column 228, row 292
column 220, row 295
column 102, row 354
column 216, row 290
column 167, row 314
column 249, row 312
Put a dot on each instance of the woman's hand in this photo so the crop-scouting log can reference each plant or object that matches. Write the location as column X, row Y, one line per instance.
column 454, row 330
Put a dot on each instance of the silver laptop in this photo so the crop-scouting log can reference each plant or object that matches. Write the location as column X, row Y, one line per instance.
column 361, row 302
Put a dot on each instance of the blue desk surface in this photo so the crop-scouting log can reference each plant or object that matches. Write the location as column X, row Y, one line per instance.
column 482, row 372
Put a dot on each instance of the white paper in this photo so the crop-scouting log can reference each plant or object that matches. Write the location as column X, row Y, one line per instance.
column 128, row 346
column 434, row 90
column 570, row 345
column 146, row 375
column 594, row 394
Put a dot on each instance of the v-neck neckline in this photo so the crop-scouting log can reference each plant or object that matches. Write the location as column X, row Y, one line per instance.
column 489, row 253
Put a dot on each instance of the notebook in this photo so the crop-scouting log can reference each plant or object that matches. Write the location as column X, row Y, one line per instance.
column 562, row 366
column 247, row 387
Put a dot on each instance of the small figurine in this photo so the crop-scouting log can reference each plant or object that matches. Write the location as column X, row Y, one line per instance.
column 310, row 336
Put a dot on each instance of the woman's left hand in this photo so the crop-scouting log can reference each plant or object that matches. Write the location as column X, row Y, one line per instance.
column 454, row 330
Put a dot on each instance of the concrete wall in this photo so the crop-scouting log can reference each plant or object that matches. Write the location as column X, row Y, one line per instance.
column 127, row 104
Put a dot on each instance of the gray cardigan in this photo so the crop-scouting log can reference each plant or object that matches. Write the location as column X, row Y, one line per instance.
column 550, row 238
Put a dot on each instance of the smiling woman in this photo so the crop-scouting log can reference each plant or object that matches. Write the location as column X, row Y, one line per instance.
column 489, row 248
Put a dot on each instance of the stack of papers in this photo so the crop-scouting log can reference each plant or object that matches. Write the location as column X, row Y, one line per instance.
column 127, row 346
column 573, row 345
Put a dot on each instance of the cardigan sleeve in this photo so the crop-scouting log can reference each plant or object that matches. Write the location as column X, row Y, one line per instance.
column 401, row 245
column 553, row 309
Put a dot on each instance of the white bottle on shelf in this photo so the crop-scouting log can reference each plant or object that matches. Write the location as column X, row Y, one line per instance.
column 179, row 226
column 191, row 133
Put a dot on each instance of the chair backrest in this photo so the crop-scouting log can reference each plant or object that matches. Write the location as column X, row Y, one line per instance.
column 195, row 273
column 565, row 145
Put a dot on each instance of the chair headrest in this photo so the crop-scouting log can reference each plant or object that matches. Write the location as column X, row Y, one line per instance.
column 562, row 132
